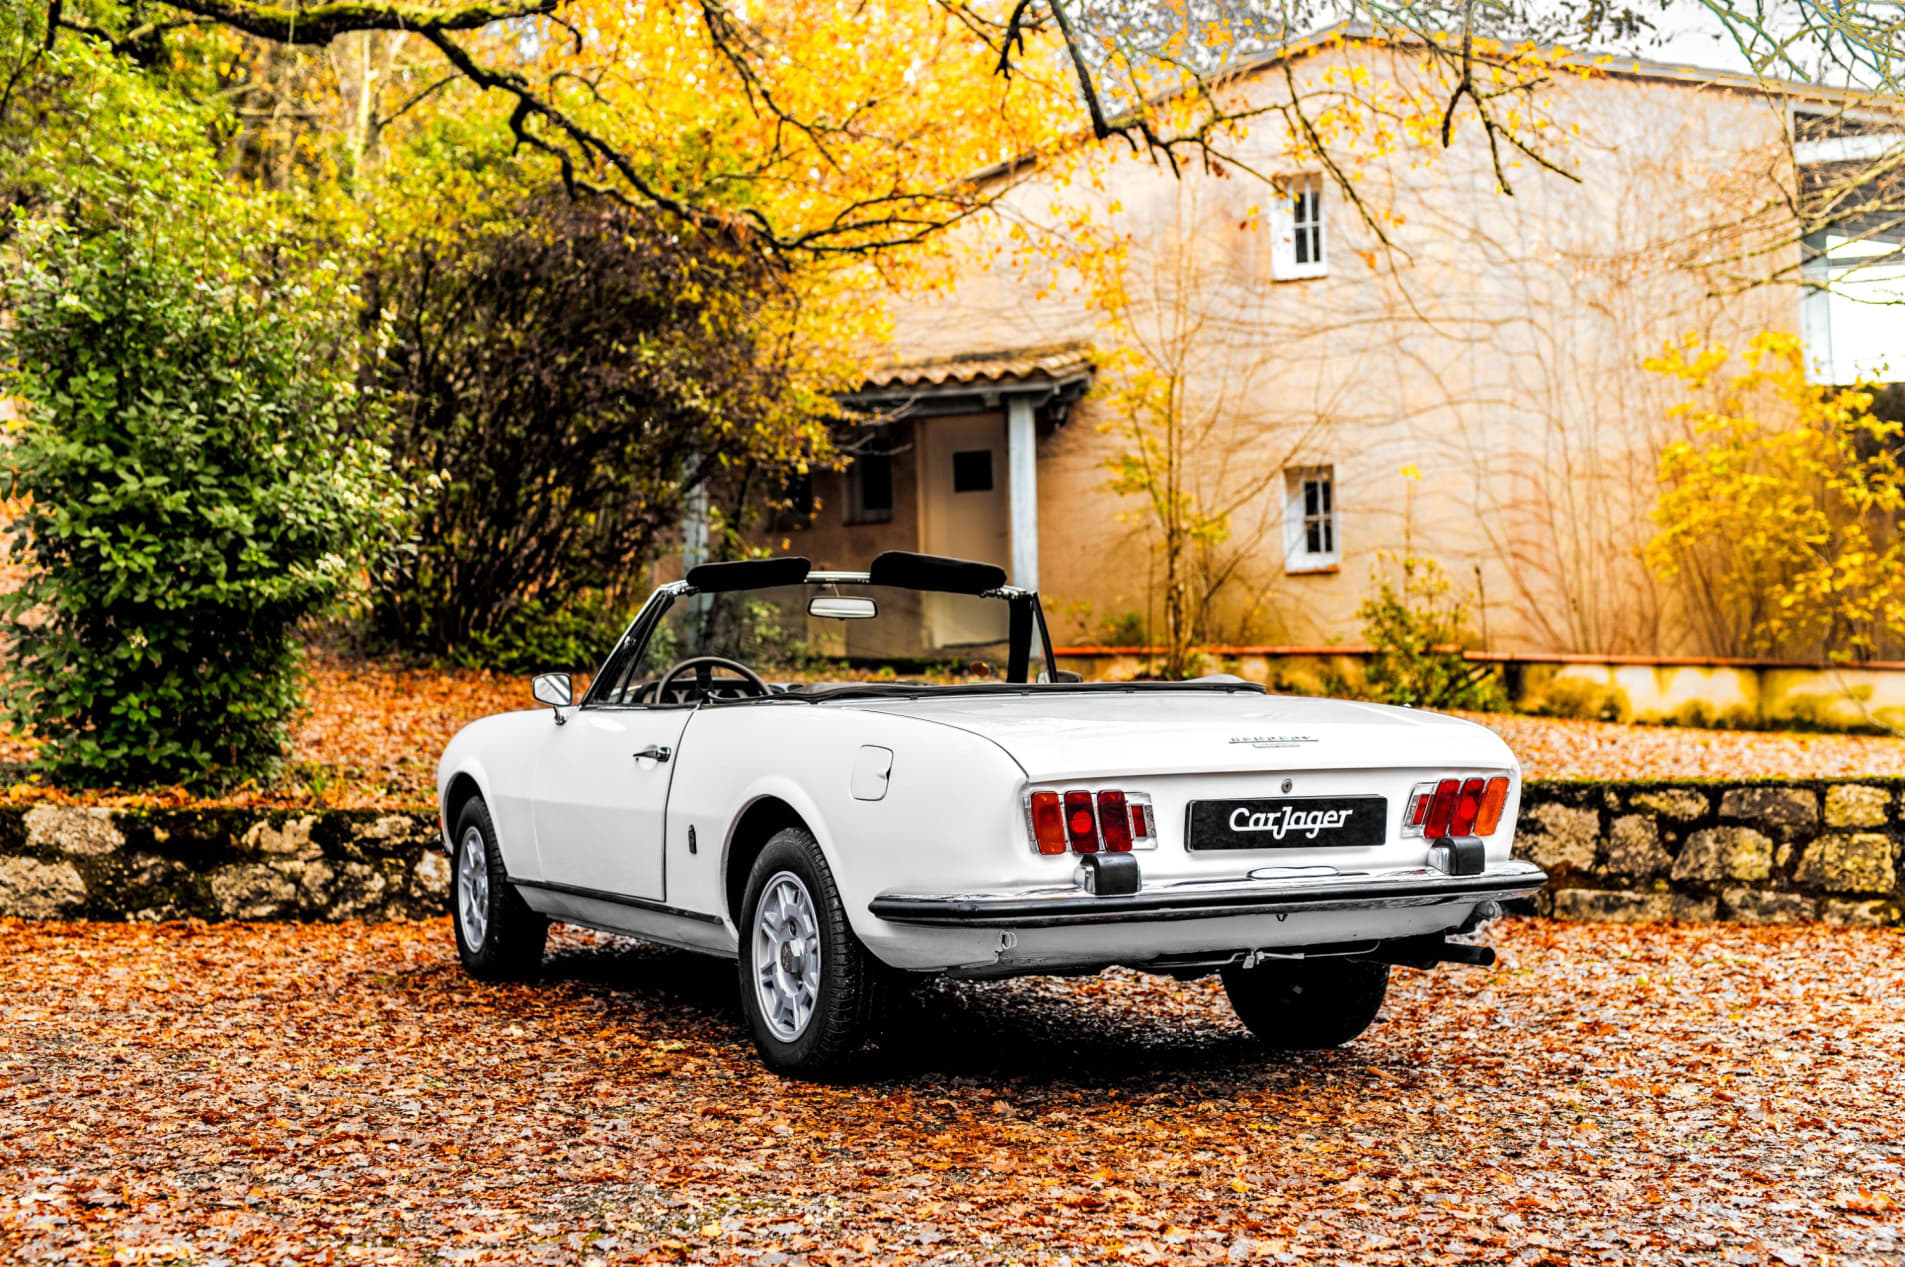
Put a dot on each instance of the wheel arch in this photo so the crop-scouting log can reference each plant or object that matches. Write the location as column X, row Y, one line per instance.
column 459, row 792
column 764, row 817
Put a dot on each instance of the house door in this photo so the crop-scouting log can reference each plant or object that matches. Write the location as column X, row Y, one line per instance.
column 967, row 515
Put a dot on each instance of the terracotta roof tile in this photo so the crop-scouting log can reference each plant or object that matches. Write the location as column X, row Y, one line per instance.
column 1050, row 362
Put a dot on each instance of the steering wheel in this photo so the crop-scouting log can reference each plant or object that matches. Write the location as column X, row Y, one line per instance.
column 704, row 677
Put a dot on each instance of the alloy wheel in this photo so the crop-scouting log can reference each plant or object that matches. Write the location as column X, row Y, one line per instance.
column 787, row 955
column 472, row 887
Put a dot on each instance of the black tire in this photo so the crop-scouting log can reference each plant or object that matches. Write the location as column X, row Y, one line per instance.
column 1305, row 1004
column 508, row 946
column 849, row 988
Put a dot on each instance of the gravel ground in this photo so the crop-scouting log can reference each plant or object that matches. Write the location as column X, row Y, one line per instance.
column 243, row 1093
column 1555, row 748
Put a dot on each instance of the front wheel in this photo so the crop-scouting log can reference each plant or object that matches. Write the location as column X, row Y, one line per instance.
column 1304, row 1004
column 808, row 988
column 497, row 936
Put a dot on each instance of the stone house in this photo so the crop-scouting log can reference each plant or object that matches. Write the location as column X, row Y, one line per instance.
column 1474, row 391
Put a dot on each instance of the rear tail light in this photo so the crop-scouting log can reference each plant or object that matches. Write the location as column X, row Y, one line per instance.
column 1077, row 820
column 1468, row 803
column 1114, row 823
column 1494, row 798
column 1048, row 822
column 1441, row 809
column 1417, row 811
column 1454, row 808
column 1080, row 824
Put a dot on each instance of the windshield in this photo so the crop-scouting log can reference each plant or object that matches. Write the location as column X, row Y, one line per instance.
column 834, row 632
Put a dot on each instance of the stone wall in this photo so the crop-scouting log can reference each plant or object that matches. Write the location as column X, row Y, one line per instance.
column 1757, row 853
column 1753, row 852
column 219, row 864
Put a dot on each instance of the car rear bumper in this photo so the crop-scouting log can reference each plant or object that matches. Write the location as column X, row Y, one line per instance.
column 1277, row 895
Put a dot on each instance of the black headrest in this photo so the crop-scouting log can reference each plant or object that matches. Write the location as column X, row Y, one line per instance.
column 748, row 574
column 904, row 570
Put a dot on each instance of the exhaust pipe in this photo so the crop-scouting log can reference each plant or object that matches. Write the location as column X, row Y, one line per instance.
column 1426, row 952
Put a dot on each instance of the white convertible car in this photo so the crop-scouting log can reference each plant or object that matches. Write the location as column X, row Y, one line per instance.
column 839, row 838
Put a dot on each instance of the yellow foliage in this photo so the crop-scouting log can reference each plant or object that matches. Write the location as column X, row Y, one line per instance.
column 1782, row 504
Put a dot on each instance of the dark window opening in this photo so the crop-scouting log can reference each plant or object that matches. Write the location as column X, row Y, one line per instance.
column 1319, row 519
column 870, row 481
column 972, row 471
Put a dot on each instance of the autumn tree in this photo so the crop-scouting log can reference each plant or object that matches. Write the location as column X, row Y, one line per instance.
column 852, row 128
column 567, row 373
column 1779, row 513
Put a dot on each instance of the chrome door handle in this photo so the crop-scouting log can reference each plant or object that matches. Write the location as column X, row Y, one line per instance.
column 655, row 752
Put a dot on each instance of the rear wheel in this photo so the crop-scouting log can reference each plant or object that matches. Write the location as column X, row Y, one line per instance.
column 1299, row 1004
column 809, row 990
column 497, row 936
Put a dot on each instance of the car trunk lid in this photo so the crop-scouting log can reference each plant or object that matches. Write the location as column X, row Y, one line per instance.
column 1053, row 733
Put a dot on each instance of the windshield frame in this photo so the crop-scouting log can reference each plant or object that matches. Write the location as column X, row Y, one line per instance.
column 634, row 640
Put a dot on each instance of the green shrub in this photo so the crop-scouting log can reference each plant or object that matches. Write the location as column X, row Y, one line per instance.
column 574, row 632
column 190, row 495
column 1417, row 625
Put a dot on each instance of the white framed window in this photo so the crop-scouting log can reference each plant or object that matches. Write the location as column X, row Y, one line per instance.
column 1297, row 246
column 1312, row 531
column 1852, row 314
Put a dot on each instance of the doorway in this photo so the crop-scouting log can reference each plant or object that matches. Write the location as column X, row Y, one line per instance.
column 965, row 514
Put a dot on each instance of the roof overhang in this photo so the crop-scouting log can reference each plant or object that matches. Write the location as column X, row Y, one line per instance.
column 1051, row 376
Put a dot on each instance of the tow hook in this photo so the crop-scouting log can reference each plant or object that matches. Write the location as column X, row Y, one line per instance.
column 1426, row 952
column 1109, row 874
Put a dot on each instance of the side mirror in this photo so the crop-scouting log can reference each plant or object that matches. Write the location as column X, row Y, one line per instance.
column 1060, row 675
column 553, row 689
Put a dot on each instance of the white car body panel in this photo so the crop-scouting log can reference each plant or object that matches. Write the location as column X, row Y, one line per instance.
column 1156, row 732
column 947, row 844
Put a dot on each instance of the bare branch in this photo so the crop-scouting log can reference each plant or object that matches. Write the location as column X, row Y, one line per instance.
column 322, row 23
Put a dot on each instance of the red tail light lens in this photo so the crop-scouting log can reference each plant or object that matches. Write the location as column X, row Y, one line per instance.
column 1080, row 826
column 1048, row 823
column 1081, row 820
column 1468, row 803
column 1417, row 811
column 1494, row 799
column 1114, row 824
column 1441, row 809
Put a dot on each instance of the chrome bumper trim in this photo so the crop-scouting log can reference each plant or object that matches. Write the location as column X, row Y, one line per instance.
column 1356, row 890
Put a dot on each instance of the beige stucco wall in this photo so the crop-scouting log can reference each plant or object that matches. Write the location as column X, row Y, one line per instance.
column 1497, row 349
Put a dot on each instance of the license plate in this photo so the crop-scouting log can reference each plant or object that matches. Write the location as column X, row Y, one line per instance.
column 1302, row 822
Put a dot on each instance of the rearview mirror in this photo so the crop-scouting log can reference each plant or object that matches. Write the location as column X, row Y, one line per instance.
column 834, row 607
column 553, row 689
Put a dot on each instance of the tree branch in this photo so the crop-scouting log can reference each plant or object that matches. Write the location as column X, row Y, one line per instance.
column 322, row 23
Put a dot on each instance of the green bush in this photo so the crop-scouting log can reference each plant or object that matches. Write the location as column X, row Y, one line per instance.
column 574, row 632
column 190, row 493
column 1417, row 625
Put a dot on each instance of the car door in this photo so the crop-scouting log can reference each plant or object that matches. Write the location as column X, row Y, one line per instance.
column 600, row 796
